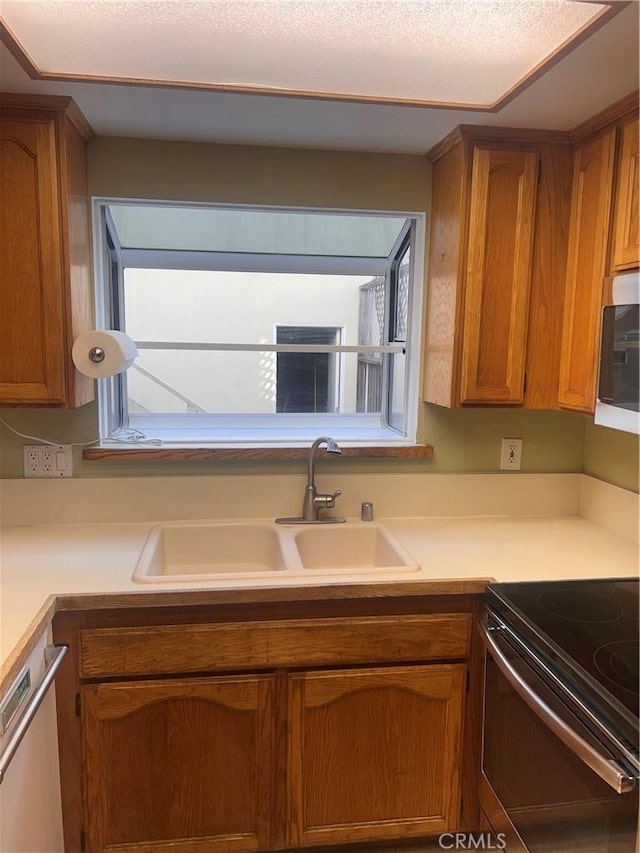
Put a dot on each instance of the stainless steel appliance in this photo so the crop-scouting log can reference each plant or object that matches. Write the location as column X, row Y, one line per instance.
column 560, row 749
column 618, row 402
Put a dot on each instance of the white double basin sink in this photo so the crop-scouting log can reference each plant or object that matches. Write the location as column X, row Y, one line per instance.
column 217, row 550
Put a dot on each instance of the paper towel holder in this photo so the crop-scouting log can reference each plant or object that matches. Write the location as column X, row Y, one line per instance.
column 102, row 353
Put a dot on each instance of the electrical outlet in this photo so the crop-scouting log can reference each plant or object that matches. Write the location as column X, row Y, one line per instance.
column 47, row 460
column 31, row 461
column 511, row 455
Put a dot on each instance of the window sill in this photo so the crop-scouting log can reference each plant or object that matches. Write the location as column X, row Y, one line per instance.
column 247, row 454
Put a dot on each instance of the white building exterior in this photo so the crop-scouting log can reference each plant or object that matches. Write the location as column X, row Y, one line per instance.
column 230, row 307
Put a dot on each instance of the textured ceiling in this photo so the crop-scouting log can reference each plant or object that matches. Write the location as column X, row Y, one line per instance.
column 596, row 73
column 440, row 51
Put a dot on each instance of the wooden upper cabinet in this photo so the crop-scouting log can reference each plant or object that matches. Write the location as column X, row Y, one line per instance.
column 497, row 275
column 626, row 234
column 31, row 316
column 499, row 214
column 374, row 753
column 443, row 316
column 586, row 267
column 178, row 765
column 45, row 257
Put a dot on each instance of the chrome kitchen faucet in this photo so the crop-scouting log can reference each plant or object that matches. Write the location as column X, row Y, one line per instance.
column 313, row 502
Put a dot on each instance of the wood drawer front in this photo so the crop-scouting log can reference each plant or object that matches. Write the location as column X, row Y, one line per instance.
column 156, row 650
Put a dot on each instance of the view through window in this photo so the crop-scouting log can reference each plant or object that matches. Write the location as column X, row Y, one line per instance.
column 241, row 340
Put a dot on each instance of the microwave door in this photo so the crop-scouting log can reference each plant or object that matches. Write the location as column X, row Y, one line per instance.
column 619, row 378
column 605, row 383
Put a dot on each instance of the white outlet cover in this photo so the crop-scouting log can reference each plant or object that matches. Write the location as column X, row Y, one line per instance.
column 47, row 461
column 511, row 454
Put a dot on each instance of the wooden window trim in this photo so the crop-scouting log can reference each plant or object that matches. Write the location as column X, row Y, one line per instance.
column 258, row 454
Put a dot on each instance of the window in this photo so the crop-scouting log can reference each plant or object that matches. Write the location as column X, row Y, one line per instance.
column 307, row 381
column 259, row 326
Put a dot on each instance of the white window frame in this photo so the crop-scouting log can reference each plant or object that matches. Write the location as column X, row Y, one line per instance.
column 263, row 430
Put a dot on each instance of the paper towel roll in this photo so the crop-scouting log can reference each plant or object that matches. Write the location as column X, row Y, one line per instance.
column 99, row 354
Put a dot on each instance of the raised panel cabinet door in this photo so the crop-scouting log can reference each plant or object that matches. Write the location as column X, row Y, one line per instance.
column 498, row 274
column 178, row 764
column 626, row 235
column 31, row 290
column 586, row 266
column 374, row 753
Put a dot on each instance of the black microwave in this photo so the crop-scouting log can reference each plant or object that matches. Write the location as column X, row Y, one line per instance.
column 618, row 403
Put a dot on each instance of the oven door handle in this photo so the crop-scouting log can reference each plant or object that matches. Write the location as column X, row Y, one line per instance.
column 604, row 767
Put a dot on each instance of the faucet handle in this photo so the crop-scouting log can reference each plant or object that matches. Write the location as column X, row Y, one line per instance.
column 331, row 499
column 327, row 501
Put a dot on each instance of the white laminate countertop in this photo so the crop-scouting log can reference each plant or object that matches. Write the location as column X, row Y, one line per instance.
column 43, row 564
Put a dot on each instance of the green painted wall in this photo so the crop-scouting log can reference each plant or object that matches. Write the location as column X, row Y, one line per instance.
column 462, row 440
column 467, row 440
column 612, row 456
column 241, row 174
column 470, row 439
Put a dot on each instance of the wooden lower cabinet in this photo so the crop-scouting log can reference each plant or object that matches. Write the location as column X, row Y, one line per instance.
column 327, row 724
column 179, row 764
column 374, row 753
column 191, row 764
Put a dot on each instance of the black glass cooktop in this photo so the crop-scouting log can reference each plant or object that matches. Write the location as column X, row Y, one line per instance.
column 589, row 629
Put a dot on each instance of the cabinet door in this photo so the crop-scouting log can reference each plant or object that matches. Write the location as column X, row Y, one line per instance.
column 626, row 237
column 586, row 267
column 498, row 274
column 178, row 764
column 374, row 753
column 32, row 358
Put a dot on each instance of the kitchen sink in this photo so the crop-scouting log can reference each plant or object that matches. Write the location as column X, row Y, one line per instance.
column 215, row 550
column 206, row 550
column 352, row 547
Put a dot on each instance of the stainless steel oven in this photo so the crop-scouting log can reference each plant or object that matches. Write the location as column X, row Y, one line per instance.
column 559, row 773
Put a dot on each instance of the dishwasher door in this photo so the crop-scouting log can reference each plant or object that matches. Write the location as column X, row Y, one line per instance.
column 30, row 802
column 560, row 786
